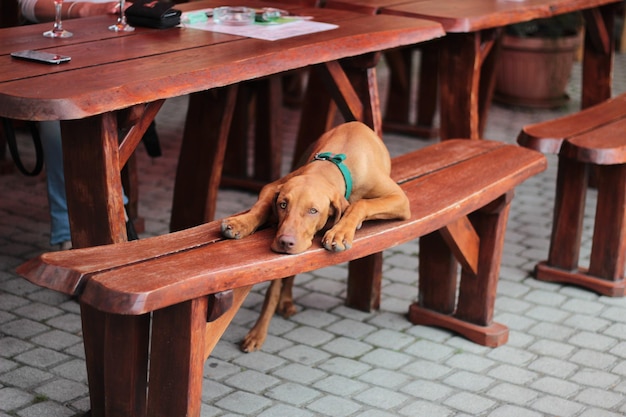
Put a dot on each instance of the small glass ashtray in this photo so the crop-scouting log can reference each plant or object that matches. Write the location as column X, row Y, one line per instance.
column 234, row 16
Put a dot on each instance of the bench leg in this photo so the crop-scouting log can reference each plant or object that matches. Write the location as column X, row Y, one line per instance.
column 116, row 352
column 608, row 252
column 473, row 316
column 181, row 342
column 609, row 236
column 364, row 282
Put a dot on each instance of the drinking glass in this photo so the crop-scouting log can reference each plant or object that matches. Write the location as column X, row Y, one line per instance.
column 57, row 30
column 121, row 25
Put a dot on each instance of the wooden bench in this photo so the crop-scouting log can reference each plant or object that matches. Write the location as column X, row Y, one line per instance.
column 185, row 287
column 593, row 139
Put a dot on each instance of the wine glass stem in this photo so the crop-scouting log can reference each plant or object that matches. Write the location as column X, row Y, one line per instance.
column 58, row 25
column 122, row 14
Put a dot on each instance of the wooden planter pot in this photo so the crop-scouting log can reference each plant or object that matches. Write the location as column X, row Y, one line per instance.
column 534, row 72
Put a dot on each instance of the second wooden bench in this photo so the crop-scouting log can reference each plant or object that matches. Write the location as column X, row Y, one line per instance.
column 162, row 303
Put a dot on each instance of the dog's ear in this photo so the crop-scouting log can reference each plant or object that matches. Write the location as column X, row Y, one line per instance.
column 274, row 200
column 338, row 205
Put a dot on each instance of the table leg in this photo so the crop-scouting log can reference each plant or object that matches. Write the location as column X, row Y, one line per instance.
column 466, row 82
column 202, row 156
column 93, row 181
column 598, row 54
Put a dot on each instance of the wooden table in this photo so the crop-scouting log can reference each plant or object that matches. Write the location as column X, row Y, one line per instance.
column 469, row 51
column 128, row 76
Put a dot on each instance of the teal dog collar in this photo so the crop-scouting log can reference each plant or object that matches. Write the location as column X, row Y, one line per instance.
column 337, row 159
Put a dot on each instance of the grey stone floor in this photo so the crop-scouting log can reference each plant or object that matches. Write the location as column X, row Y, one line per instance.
column 565, row 356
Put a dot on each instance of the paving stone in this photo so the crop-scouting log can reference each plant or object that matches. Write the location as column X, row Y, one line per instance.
column 347, row 348
column 555, row 386
column 424, row 408
column 300, row 373
column 309, row 336
column 595, row 378
column 14, row 398
column 381, row 398
column 469, row 403
column 468, row 381
column 334, row 406
column 599, row 397
column 386, row 358
column 252, row 381
column 428, row 390
column 557, row 406
column 292, row 393
column 340, row 385
column 513, row 374
column 512, row 394
column 384, row 378
column 513, row 411
column 430, row 350
column 244, row 403
column 282, row 410
column 553, row 367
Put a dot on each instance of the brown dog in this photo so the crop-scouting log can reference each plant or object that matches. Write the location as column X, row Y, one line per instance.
column 356, row 189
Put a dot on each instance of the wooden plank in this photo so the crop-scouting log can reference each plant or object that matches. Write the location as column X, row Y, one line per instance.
column 604, row 145
column 547, row 137
column 462, row 16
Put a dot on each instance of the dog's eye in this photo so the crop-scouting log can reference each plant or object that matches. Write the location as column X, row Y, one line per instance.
column 313, row 210
column 282, row 205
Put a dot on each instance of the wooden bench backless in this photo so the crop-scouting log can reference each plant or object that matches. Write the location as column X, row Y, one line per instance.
column 591, row 140
column 194, row 281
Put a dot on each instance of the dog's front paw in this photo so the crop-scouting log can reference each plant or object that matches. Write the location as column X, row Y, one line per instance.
column 337, row 239
column 236, row 228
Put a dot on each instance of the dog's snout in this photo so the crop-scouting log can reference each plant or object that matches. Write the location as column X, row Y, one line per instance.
column 286, row 242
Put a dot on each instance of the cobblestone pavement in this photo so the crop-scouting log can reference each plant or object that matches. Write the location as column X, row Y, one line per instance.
column 565, row 356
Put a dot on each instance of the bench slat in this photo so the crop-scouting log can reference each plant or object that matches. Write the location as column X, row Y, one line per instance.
column 605, row 145
column 436, row 200
column 547, row 137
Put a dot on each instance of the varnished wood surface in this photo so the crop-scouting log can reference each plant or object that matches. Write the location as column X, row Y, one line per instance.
column 472, row 15
column 600, row 127
column 195, row 262
column 112, row 71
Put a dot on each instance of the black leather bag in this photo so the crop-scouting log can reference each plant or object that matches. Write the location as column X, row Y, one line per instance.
column 153, row 14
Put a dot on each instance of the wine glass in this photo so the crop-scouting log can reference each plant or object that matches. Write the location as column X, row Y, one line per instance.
column 57, row 31
column 121, row 25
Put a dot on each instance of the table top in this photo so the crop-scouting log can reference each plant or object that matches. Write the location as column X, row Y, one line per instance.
column 111, row 71
column 462, row 16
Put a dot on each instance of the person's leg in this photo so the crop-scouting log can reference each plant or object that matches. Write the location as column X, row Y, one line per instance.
column 50, row 132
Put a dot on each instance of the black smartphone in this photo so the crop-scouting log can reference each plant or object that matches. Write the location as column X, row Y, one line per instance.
column 41, row 56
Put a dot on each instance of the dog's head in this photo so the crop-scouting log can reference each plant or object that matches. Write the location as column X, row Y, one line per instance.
column 303, row 208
